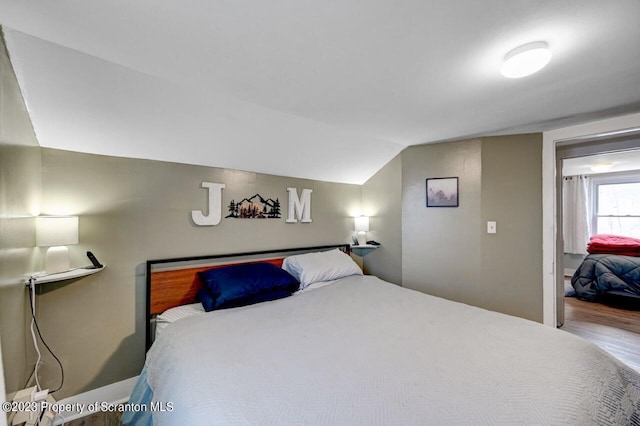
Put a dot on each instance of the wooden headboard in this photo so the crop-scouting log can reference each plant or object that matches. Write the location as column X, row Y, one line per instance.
column 174, row 282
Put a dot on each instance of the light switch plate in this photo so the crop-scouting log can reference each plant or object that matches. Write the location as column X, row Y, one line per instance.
column 491, row 227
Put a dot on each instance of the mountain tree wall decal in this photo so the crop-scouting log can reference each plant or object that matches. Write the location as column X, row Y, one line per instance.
column 256, row 207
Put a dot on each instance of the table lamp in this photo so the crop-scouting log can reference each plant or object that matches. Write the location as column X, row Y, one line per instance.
column 56, row 232
column 362, row 227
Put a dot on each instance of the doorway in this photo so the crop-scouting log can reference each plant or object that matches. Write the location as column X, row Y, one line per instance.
column 600, row 194
column 589, row 133
column 577, row 159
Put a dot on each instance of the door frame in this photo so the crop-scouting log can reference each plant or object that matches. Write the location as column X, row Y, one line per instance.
column 551, row 241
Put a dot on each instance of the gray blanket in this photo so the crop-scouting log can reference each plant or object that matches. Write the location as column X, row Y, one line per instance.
column 605, row 273
column 361, row 351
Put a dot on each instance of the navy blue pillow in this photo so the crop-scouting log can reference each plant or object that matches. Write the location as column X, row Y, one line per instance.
column 208, row 301
column 244, row 284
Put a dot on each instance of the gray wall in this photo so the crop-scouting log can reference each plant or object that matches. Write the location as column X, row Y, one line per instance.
column 441, row 246
column 133, row 210
column 382, row 201
column 511, row 275
column 19, row 202
column 446, row 251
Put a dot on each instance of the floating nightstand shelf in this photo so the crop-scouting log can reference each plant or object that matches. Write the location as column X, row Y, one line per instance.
column 66, row 275
column 363, row 249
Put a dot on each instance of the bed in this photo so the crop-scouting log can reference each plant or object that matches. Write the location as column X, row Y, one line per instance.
column 356, row 350
column 607, row 274
column 612, row 267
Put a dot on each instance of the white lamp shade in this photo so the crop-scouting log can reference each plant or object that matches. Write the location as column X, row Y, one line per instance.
column 362, row 224
column 56, row 230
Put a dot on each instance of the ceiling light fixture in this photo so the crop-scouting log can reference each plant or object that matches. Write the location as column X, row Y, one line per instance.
column 526, row 59
column 601, row 167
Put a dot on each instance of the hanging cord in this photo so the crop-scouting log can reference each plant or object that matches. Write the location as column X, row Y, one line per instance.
column 32, row 304
column 34, row 322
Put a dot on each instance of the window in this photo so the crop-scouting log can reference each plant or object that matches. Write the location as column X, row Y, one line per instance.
column 617, row 204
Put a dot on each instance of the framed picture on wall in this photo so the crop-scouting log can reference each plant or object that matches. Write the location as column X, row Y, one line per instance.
column 442, row 192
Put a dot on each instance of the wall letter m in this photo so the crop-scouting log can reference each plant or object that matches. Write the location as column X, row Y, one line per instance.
column 299, row 207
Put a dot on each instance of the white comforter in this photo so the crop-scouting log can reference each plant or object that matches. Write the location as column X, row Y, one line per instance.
column 365, row 352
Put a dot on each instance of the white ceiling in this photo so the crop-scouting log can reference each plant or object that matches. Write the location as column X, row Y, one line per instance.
column 328, row 90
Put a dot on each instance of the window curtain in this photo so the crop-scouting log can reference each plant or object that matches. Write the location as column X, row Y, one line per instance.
column 576, row 214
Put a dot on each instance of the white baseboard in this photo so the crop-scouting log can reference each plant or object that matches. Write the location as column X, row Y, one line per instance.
column 84, row 404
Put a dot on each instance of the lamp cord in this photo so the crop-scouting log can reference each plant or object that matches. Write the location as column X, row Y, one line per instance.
column 34, row 322
column 32, row 303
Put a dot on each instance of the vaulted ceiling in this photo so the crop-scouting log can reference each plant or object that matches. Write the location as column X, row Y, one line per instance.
column 328, row 90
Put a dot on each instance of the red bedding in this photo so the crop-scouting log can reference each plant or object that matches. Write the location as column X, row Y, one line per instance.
column 614, row 244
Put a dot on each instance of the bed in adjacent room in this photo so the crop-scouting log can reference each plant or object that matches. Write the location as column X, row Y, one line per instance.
column 612, row 267
column 355, row 350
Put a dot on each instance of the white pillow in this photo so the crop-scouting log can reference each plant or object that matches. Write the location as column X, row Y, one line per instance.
column 174, row 314
column 179, row 312
column 321, row 266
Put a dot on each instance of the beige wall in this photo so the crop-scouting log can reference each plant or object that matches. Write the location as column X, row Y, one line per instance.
column 511, row 259
column 447, row 251
column 19, row 201
column 382, row 201
column 441, row 246
column 133, row 210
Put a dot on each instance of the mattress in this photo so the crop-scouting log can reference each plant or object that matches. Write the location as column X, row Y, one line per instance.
column 362, row 352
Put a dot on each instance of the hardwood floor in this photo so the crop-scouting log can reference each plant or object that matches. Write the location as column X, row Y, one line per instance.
column 614, row 325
